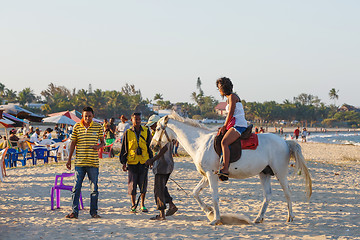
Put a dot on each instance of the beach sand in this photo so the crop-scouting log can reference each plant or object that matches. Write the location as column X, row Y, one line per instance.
column 333, row 211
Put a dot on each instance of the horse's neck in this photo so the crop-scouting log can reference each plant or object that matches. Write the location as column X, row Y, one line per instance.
column 189, row 137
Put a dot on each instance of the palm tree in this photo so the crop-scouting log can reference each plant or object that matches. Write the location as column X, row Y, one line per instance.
column 10, row 95
column 198, row 86
column 333, row 94
column 158, row 96
column 26, row 96
column 2, row 89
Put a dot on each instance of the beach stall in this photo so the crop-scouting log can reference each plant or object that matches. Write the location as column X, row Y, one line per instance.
column 19, row 112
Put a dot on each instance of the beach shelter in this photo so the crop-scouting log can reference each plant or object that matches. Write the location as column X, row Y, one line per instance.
column 17, row 122
column 5, row 123
column 68, row 114
column 59, row 119
column 19, row 112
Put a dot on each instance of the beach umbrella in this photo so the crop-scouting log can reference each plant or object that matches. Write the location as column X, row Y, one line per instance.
column 60, row 119
column 67, row 114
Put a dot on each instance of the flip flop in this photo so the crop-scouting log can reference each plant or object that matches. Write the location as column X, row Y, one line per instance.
column 71, row 215
column 95, row 216
column 171, row 211
column 157, row 217
column 144, row 209
column 133, row 209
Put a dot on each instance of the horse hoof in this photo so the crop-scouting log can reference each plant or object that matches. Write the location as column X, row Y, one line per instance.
column 290, row 219
column 259, row 220
column 215, row 222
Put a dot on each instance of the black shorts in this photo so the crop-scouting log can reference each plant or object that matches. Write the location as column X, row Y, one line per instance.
column 137, row 176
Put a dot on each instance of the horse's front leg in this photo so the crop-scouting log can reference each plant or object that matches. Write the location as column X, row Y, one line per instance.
column 213, row 181
column 196, row 192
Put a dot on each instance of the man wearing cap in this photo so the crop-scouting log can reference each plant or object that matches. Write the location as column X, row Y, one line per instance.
column 135, row 151
column 122, row 127
column 163, row 165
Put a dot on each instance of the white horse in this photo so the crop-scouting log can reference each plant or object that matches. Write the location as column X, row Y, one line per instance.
column 198, row 142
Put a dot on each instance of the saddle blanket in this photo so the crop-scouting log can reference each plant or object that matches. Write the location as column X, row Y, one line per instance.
column 251, row 143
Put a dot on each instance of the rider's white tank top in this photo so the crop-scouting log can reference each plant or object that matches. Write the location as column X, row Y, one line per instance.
column 239, row 115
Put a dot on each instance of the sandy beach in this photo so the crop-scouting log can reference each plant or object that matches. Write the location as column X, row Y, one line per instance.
column 332, row 213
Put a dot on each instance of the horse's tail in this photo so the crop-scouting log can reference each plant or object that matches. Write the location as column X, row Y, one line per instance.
column 300, row 165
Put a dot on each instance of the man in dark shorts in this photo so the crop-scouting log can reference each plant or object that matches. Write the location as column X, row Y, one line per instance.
column 135, row 151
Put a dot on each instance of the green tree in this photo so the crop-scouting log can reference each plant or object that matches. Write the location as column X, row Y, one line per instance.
column 333, row 94
column 59, row 98
column 158, row 96
column 26, row 96
column 10, row 95
column 2, row 89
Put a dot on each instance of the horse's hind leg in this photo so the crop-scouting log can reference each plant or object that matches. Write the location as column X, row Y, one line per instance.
column 204, row 182
column 265, row 180
column 285, row 186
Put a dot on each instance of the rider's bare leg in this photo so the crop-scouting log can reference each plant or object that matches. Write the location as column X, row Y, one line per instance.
column 230, row 136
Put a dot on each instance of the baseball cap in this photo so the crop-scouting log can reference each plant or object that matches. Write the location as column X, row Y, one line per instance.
column 152, row 119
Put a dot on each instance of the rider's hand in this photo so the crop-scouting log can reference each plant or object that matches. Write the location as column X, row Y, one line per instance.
column 223, row 129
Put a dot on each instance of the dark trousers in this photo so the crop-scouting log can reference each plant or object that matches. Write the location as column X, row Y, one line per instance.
column 161, row 192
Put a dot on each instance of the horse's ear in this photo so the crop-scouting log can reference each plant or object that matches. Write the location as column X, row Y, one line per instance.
column 166, row 119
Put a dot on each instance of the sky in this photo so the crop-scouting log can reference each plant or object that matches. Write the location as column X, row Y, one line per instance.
column 271, row 50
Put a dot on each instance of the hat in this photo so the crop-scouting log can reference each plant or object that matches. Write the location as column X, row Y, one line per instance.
column 122, row 116
column 152, row 119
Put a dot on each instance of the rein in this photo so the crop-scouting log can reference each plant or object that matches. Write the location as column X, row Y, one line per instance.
column 163, row 128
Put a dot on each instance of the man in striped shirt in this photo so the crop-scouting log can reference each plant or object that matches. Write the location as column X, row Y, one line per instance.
column 86, row 135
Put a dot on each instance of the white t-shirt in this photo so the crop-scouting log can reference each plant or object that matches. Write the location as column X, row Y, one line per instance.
column 122, row 127
column 34, row 137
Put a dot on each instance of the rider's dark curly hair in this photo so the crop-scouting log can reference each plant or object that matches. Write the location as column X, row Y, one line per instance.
column 225, row 85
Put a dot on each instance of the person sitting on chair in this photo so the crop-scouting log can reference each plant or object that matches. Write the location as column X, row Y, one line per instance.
column 235, row 123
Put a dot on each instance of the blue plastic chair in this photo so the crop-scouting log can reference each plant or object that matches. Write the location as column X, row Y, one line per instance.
column 55, row 152
column 9, row 157
column 40, row 154
column 15, row 157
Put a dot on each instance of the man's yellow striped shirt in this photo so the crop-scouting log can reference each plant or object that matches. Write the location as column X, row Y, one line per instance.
column 85, row 138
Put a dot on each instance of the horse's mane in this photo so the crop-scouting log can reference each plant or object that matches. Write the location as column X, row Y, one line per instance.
column 188, row 121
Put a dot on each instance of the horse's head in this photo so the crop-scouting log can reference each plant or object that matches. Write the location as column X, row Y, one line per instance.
column 161, row 136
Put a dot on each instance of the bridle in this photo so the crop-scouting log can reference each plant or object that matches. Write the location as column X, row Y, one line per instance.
column 163, row 132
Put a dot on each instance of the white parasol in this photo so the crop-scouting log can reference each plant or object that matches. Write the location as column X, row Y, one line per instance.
column 59, row 119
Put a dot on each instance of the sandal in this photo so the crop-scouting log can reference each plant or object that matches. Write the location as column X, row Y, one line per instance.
column 133, row 209
column 171, row 211
column 71, row 215
column 223, row 176
column 144, row 209
column 157, row 217
column 95, row 216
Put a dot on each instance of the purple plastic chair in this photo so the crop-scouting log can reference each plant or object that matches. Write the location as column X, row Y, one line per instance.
column 61, row 186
